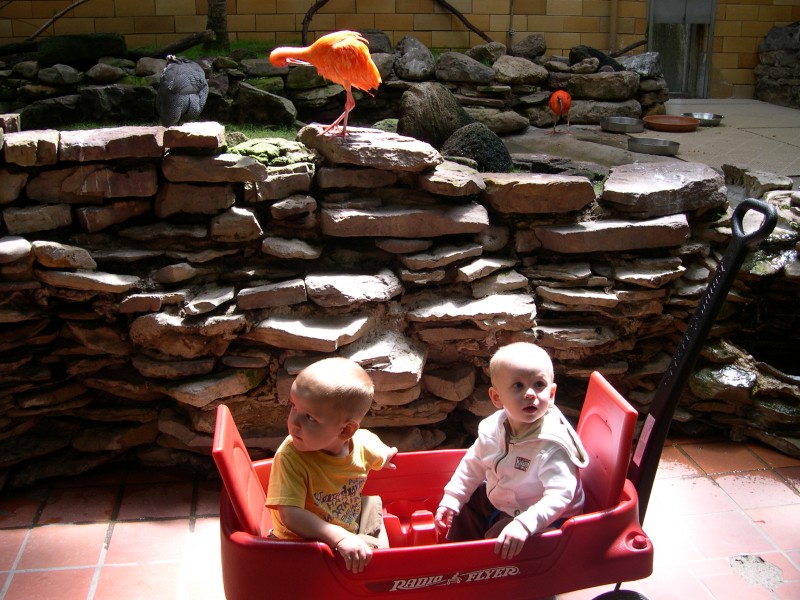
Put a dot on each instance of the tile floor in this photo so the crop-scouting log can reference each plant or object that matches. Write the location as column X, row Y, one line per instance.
column 724, row 519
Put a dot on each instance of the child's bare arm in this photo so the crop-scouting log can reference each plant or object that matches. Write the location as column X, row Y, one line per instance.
column 355, row 551
column 389, row 458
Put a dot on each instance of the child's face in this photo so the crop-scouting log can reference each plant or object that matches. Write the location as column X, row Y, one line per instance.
column 315, row 425
column 525, row 389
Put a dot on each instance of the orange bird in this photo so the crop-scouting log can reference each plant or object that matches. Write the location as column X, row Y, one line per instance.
column 341, row 57
column 560, row 101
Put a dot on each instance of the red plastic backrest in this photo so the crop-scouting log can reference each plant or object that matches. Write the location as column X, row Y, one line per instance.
column 237, row 472
column 606, row 429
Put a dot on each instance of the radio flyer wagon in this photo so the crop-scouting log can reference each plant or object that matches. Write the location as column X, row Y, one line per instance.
column 604, row 545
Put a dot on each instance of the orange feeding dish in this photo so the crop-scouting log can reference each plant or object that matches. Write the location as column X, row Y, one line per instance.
column 673, row 123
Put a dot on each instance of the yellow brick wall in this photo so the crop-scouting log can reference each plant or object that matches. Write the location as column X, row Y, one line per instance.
column 740, row 24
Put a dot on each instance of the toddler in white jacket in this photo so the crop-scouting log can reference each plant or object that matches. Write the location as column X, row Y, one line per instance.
column 521, row 474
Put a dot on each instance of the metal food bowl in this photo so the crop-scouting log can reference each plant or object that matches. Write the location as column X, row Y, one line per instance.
column 706, row 119
column 622, row 124
column 653, row 146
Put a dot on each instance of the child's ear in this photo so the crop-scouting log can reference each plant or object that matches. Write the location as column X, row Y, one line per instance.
column 348, row 430
column 553, row 391
column 495, row 398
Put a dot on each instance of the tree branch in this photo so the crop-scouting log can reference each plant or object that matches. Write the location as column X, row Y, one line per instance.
column 55, row 18
column 307, row 19
column 627, row 48
column 464, row 20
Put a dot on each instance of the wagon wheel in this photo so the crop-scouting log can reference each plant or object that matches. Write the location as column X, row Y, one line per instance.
column 621, row 595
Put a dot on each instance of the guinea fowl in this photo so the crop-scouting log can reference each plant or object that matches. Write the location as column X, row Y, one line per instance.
column 182, row 91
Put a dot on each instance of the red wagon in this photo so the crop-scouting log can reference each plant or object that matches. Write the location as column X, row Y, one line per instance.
column 604, row 545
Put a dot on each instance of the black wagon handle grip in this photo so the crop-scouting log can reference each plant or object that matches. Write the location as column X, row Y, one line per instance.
column 644, row 462
column 758, row 235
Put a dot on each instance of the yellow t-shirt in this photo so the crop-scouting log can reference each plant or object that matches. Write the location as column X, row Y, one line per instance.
column 328, row 486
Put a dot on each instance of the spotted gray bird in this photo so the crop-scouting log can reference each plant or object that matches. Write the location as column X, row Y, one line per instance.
column 182, row 91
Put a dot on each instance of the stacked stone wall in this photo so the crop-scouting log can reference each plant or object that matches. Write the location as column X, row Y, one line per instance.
column 150, row 274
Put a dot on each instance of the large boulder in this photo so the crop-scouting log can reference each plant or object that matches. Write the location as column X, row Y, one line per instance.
column 455, row 66
column 479, row 143
column 530, row 47
column 253, row 105
column 116, row 102
column 51, row 113
column 80, row 50
column 413, row 60
column 429, row 112
column 579, row 53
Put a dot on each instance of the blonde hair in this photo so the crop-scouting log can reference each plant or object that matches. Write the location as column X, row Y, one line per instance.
column 530, row 351
column 341, row 381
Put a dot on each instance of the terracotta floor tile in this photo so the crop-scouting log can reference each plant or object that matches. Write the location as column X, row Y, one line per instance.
column 726, row 534
column 208, row 498
column 780, row 523
column 675, row 463
column 107, row 475
column 789, row 570
column 672, row 544
column 757, row 489
column 148, row 542
column 723, row 457
column 788, row 591
column 19, row 509
column 65, row 584
column 794, row 556
column 733, row 586
column 772, row 457
column 671, row 583
column 202, row 576
column 690, row 496
column 710, row 567
column 80, row 505
column 63, row 546
column 165, row 500
column 10, row 543
column 139, row 582
column 162, row 475
column 790, row 474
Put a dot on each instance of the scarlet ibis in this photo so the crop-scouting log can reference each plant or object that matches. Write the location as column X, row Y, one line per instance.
column 341, row 57
column 560, row 102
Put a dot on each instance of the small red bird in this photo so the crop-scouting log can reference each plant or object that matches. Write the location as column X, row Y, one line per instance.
column 341, row 57
column 560, row 101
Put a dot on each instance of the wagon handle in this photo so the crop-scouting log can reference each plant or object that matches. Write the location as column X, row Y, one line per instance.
column 644, row 463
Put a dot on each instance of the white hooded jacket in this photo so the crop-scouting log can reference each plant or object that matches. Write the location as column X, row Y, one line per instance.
column 533, row 478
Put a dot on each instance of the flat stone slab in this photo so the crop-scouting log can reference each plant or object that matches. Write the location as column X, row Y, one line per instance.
column 509, row 312
column 221, row 168
column 343, row 289
column 91, row 281
column 201, row 392
column 29, row 148
column 615, row 235
column 111, row 143
column 371, row 148
column 452, row 179
column 271, row 295
column 318, row 334
column 404, row 222
column 393, row 361
column 654, row 190
column 536, row 193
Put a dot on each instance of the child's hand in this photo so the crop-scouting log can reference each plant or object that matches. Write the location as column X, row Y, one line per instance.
column 389, row 464
column 355, row 552
column 444, row 518
column 510, row 541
